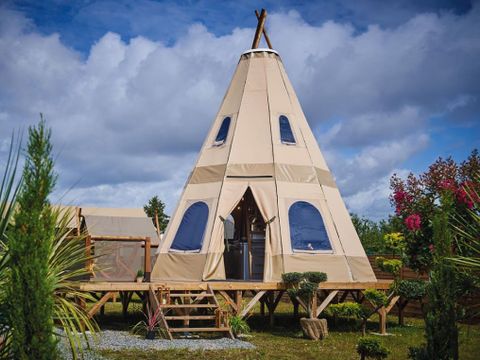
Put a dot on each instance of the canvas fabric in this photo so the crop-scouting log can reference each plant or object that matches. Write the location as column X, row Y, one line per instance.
column 278, row 174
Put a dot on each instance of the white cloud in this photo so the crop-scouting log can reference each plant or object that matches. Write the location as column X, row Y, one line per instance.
column 128, row 118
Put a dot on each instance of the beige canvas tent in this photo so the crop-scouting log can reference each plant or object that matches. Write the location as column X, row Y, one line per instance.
column 118, row 239
column 261, row 173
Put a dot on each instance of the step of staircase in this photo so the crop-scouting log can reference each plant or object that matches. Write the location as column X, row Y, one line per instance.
column 215, row 319
column 192, row 295
column 202, row 329
column 191, row 306
column 190, row 317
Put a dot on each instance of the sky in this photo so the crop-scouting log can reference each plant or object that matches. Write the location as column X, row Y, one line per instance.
column 130, row 88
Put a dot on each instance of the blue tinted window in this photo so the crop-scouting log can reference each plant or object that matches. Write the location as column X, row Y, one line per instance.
column 286, row 134
column 307, row 230
column 223, row 132
column 192, row 228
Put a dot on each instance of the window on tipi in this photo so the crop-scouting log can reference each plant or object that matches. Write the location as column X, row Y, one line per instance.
column 307, row 230
column 286, row 133
column 223, row 132
column 189, row 236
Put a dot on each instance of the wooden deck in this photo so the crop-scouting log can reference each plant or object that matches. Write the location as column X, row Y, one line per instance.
column 185, row 299
column 93, row 286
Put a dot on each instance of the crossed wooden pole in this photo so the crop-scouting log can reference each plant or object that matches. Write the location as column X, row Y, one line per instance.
column 261, row 30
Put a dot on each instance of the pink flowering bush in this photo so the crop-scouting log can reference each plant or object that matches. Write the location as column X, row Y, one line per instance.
column 416, row 198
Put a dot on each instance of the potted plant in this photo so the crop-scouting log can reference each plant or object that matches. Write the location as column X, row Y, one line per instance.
column 150, row 326
column 139, row 277
column 302, row 288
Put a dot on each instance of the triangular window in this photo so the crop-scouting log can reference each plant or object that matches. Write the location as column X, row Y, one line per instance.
column 223, row 132
column 286, row 133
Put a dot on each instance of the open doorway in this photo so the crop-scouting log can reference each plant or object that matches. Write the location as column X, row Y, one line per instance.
column 244, row 254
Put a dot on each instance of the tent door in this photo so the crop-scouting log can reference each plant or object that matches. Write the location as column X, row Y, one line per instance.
column 244, row 254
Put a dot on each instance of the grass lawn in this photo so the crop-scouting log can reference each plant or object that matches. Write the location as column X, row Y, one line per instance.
column 285, row 341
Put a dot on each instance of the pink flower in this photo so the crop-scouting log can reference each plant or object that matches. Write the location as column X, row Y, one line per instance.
column 447, row 184
column 432, row 248
column 413, row 222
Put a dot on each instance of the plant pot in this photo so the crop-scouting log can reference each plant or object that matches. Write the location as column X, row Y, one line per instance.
column 150, row 335
column 139, row 279
column 315, row 329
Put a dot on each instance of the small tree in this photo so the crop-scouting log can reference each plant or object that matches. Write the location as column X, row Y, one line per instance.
column 304, row 286
column 155, row 206
column 30, row 293
column 440, row 320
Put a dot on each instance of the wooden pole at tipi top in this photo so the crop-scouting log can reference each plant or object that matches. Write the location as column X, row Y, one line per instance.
column 267, row 39
column 259, row 30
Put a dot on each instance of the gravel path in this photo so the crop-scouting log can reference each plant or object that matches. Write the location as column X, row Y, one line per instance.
column 123, row 340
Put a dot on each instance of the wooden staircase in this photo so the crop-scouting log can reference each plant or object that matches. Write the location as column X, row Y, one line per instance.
column 189, row 311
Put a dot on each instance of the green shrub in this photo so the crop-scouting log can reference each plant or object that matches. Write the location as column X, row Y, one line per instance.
column 345, row 309
column 409, row 289
column 377, row 298
column 391, row 266
column 238, row 325
column 315, row 277
column 371, row 348
column 292, row 278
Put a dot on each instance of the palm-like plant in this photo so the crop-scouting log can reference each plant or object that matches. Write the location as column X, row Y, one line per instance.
column 467, row 230
column 8, row 192
column 66, row 267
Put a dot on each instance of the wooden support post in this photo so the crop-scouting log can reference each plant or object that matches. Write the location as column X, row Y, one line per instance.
column 271, row 309
column 148, row 265
column 262, row 307
column 125, row 298
column 295, row 308
column 238, row 301
column 259, row 30
column 88, row 253
column 313, row 305
column 401, row 307
column 267, row 39
column 382, row 315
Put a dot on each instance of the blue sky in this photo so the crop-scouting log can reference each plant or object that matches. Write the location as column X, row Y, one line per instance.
column 387, row 86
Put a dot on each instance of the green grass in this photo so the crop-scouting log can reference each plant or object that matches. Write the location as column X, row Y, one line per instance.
column 285, row 341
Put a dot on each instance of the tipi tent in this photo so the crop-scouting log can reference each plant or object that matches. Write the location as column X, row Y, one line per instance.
column 261, row 200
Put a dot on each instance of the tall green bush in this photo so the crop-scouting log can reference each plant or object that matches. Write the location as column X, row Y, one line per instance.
column 30, row 292
column 440, row 321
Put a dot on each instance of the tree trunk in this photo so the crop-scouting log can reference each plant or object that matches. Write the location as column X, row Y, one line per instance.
column 315, row 329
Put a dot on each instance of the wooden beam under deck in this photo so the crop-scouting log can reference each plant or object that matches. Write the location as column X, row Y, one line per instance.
column 223, row 285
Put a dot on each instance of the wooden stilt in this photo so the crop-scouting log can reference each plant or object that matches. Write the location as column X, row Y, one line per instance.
column 262, row 307
column 270, row 305
column 238, row 301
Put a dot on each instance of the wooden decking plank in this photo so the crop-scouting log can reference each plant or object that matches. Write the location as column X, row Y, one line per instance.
column 224, row 285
